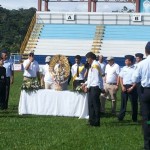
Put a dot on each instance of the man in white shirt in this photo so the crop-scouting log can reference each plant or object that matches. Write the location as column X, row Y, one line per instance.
column 9, row 74
column 31, row 68
column 77, row 71
column 102, row 64
column 139, row 58
column 111, row 84
column 94, row 86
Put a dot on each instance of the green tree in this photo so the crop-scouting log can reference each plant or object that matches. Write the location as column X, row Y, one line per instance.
column 13, row 27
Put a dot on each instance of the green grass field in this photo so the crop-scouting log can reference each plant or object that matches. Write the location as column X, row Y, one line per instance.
column 30, row 132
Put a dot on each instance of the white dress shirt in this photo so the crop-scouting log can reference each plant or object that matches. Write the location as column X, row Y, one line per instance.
column 102, row 67
column 9, row 67
column 74, row 72
column 112, row 73
column 94, row 78
column 142, row 72
column 33, row 69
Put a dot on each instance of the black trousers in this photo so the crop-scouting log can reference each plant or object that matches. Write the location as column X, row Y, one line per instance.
column 2, row 95
column 77, row 83
column 7, row 92
column 146, row 117
column 134, row 104
column 94, row 105
column 138, row 86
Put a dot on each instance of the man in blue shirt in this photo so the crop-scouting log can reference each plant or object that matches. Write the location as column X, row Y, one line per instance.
column 9, row 74
column 128, row 89
column 143, row 73
column 139, row 58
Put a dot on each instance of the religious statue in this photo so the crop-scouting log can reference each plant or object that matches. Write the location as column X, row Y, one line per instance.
column 61, row 72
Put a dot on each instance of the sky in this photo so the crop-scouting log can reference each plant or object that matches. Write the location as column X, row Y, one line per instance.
column 68, row 7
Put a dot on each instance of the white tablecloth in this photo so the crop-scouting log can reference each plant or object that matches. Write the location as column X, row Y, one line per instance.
column 57, row 103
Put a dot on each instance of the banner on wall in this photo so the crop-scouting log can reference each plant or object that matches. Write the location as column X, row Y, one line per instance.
column 145, row 6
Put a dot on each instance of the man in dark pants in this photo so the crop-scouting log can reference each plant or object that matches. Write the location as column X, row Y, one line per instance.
column 2, row 84
column 9, row 74
column 143, row 73
column 128, row 89
column 139, row 58
column 93, row 85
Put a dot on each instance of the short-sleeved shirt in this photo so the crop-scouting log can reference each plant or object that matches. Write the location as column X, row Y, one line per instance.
column 47, row 75
column 126, row 74
column 9, row 68
column 112, row 73
column 143, row 73
column 33, row 69
column 102, row 67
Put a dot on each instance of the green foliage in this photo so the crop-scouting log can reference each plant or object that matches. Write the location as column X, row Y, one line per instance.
column 30, row 132
column 13, row 27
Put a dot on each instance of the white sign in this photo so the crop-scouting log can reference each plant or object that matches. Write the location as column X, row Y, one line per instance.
column 137, row 18
column 17, row 67
column 70, row 17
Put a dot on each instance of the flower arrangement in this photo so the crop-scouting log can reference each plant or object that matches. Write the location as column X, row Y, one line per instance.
column 79, row 89
column 30, row 85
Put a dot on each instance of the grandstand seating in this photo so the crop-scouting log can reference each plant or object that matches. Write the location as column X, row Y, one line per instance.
column 65, row 39
column 120, row 40
column 73, row 39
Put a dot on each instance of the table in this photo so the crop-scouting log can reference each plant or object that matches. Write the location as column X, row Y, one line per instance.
column 56, row 103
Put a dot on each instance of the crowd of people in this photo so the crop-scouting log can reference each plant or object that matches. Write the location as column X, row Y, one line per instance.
column 100, row 80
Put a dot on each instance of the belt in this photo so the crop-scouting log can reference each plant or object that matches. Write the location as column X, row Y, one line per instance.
column 127, row 85
column 29, row 77
column 112, row 83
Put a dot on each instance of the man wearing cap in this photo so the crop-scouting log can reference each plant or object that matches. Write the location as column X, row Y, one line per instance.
column 9, row 74
column 47, row 76
column 77, row 71
column 111, row 84
column 139, row 58
column 31, row 68
column 128, row 89
column 94, row 86
column 143, row 73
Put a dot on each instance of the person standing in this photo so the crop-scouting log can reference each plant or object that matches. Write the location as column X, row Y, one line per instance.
column 94, row 86
column 9, row 75
column 31, row 68
column 2, row 84
column 139, row 58
column 111, row 84
column 77, row 71
column 128, row 89
column 143, row 73
column 47, row 74
column 102, row 64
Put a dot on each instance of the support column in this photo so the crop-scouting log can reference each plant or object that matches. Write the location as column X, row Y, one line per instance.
column 39, row 5
column 94, row 5
column 89, row 5
column 46, row 5
column 137, row 5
